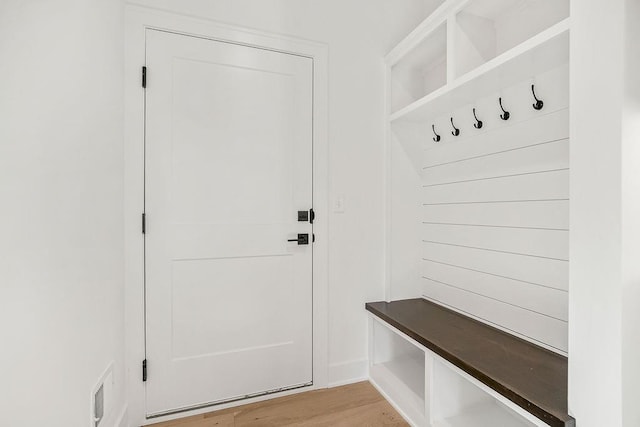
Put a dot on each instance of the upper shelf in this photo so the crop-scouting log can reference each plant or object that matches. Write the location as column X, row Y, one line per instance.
column 542, row 52
column 508, row 40
column 485, row 29
column 422, row 70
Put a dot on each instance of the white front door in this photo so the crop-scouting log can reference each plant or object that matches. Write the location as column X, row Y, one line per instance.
column 227, row 168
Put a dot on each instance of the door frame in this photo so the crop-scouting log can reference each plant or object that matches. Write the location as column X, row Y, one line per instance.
column 137, row 20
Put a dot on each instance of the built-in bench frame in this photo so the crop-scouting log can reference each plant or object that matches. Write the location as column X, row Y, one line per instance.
column 438, row 367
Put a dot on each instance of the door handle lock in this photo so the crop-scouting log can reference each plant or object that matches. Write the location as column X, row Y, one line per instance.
column 304, row 216
column 303, row 239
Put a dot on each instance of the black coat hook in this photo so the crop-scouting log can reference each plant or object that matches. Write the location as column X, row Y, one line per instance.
column 478, row 124
column 455, row 131
column 437, row 137
column 539, row 104
column 506, row 114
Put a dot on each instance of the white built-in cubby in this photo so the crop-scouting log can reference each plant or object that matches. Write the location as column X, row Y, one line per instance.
column 485, row 29
column 479, row 221
column 429, row 391
column 517, row 40
column 397, row 365
column 421, row 71
column 459, row 400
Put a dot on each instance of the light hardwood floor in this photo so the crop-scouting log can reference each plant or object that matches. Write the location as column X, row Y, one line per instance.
column 352, row 405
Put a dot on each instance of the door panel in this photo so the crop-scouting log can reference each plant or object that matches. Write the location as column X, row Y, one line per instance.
column 228, row 165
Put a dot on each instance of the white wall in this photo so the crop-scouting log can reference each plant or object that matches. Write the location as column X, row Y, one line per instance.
column 605, row 214
column 358, row 33
column 631, row 220
column 404, row 211
column 61, row 225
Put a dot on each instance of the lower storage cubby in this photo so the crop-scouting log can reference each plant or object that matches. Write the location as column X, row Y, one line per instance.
column 397, row 369
column 457, row 402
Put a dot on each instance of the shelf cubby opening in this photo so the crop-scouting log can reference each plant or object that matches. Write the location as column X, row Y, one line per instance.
column 421, row 71
column 537, row 55
column 487, row 28
column 398, row 367
column 460, row 403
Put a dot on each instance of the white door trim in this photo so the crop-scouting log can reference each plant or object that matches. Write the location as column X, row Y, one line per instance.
column 137, row 20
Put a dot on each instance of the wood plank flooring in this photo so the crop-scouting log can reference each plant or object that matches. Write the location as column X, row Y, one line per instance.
column 353, row 405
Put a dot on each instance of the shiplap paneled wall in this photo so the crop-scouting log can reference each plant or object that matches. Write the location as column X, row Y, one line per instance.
column 495, row 212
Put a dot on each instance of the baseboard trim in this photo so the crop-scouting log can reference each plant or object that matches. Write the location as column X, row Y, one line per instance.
column 349, row 372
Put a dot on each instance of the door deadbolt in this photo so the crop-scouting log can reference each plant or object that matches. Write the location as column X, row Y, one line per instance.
column 304, row 216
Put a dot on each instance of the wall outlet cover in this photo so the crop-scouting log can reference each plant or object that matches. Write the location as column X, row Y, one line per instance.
column 339, row 204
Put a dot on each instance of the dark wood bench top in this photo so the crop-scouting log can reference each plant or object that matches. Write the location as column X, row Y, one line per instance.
column 532, row 377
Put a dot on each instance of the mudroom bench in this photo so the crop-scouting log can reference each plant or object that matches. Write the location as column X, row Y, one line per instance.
column 441, row 368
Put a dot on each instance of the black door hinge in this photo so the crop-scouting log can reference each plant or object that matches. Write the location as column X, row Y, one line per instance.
column 144, row 223
column 312, row 216
column 144, row 77
column 144, row 370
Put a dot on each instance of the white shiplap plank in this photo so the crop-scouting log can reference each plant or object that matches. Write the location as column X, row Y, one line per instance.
column 534, row 242
column 539, row 214
column 535, row 326
column 547, row 301
column 545, row 157
column 538, row 186
column 550, row 127
column 495, row 214
column 540, row 271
